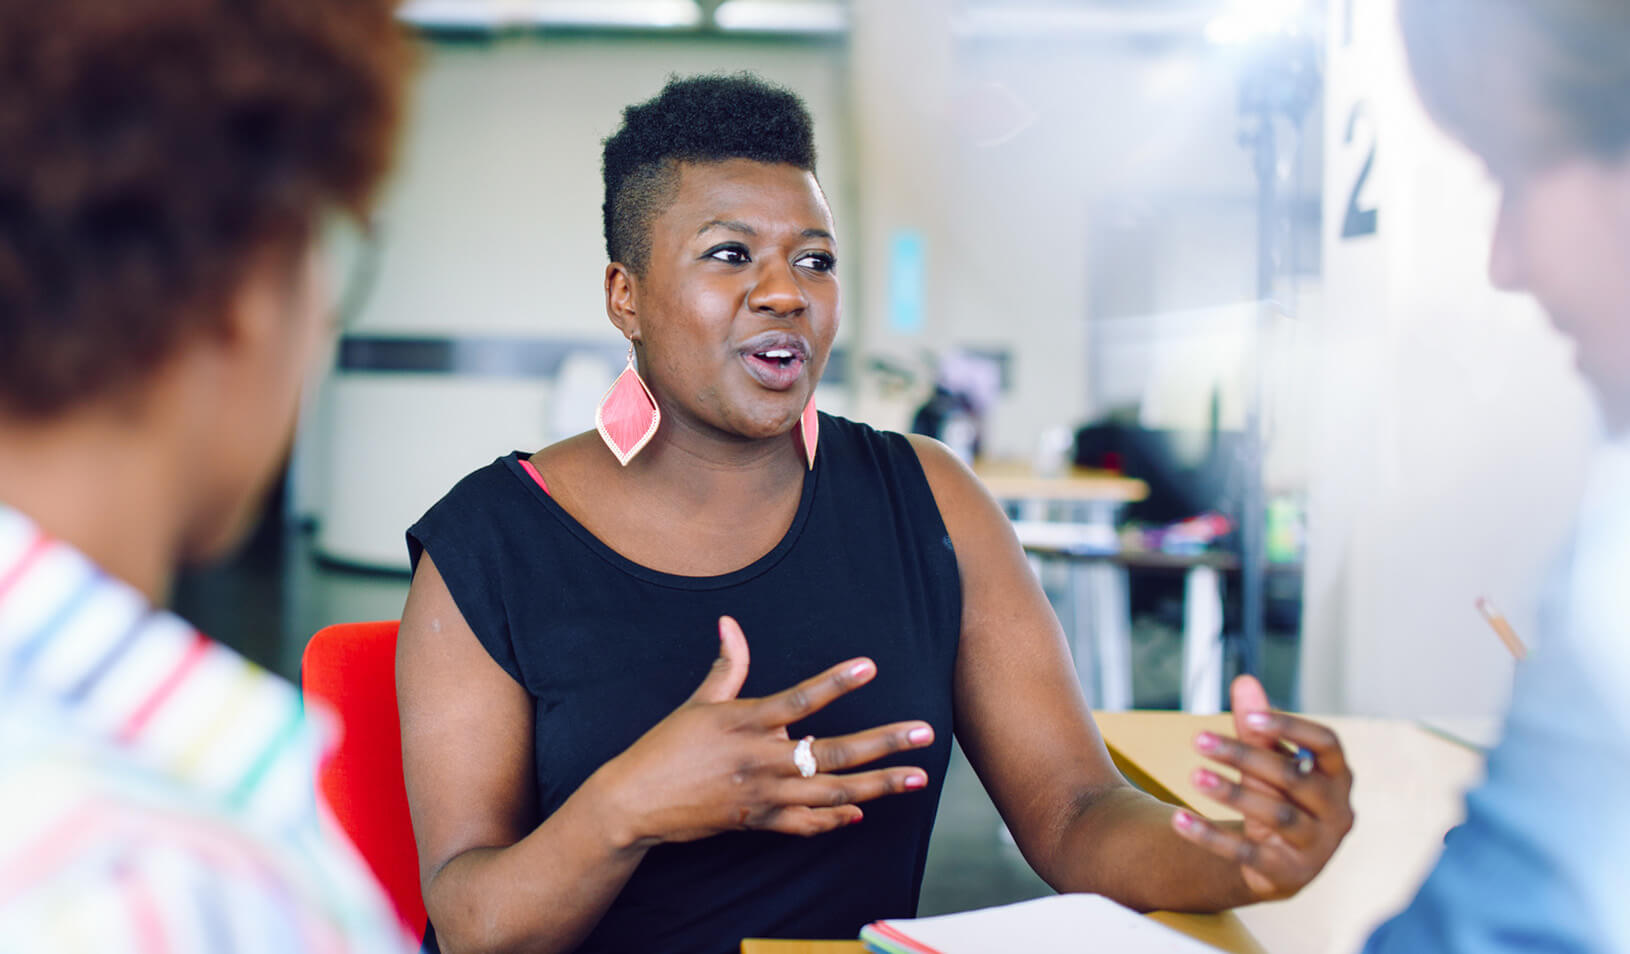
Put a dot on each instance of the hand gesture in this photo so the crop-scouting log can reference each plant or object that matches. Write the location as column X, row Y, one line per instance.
column 719, row 763
column 1296, row 804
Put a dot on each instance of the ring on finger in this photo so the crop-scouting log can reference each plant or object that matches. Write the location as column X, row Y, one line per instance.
column 1305, row 763
column 803, row 756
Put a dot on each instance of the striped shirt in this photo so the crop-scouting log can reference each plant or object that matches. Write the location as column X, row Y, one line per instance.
column 157, row 791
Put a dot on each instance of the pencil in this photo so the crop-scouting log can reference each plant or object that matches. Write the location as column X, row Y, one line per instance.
column 1502, row 628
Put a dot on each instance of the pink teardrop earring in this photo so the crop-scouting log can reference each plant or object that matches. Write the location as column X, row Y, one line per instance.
column 628, row 415
column 809, row 431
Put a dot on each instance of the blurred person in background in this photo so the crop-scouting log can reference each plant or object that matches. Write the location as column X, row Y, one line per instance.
column 1540, row 90
column 592, row 760
column 166, row 167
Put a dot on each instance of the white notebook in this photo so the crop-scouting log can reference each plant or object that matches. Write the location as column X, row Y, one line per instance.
column 1062, row 924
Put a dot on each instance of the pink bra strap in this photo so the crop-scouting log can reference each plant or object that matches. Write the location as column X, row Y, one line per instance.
column 527, row 466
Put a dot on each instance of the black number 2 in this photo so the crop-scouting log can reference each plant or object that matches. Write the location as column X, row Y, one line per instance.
column 1360, row 221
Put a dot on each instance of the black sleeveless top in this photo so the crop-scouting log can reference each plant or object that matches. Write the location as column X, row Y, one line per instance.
column 606, row 648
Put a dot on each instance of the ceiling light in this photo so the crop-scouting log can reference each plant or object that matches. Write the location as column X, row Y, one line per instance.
column 1247, row 20
column 756, row 16
column 574, row 14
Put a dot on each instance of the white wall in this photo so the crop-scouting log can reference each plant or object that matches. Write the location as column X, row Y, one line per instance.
column 494, row 216
column 1451, row 429
column 492, row 226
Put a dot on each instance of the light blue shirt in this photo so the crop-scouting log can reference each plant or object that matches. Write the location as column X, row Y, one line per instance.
column 1542, row 862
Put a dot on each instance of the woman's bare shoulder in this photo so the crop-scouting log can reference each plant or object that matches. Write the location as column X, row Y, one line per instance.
column 579, row 474
column 948, row 477
column 578, row 461
column 972, row 516
column 574, row 451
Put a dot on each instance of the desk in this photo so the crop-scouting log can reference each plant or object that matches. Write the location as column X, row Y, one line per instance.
column 1478, row 733
column 1012, row 480
column 1101, row 628
column 1099, row 596
column 1091, row 498
column 1407, row 794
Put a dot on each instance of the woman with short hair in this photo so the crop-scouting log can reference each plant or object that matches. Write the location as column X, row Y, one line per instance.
column 594, row 758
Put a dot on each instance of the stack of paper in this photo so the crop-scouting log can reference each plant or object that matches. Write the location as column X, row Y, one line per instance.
column 1062, row 924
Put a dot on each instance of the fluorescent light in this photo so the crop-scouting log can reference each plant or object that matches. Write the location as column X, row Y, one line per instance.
column 455, row 14
column 1030, row 21
column 1246, row 20
column 501, row 14
column 756, row 16
column 663, row 14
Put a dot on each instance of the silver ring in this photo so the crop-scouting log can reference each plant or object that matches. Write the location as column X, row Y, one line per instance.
column 803, row 756
column 1305, row 762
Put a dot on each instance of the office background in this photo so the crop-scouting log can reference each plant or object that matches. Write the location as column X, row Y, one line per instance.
column 1058, row 190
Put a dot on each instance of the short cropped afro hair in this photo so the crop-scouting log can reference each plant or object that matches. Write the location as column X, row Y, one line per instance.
column 695, row 119
column 153, row 152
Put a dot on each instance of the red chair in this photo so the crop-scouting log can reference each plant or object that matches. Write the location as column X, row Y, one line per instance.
column 352, row 668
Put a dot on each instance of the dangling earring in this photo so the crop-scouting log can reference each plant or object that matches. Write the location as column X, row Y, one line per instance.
column 809, row 431
column 628, row 415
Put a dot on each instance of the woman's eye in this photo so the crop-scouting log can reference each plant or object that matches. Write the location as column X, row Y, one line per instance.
column 732, row 254
column 817, row 261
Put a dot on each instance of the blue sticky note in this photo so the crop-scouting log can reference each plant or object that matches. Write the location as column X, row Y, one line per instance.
column 906, row 281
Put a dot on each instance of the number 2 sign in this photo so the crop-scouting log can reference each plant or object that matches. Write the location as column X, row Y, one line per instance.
column 1362, row 212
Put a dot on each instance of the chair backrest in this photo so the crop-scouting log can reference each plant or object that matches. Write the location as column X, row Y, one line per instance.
column 352, row 668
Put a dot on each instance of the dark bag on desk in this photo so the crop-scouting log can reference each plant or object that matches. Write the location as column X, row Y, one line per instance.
column 1178, row 489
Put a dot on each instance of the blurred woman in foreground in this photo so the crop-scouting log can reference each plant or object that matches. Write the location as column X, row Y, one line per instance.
column 165, row 169
column 1540, row 89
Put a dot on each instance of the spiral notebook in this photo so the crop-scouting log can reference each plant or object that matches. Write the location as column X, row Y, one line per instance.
column 1062, row 924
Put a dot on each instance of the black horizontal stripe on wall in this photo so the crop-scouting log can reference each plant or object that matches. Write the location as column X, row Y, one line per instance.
column 494, row 356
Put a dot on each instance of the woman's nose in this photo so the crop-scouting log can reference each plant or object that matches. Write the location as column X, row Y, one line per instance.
column 777, row 290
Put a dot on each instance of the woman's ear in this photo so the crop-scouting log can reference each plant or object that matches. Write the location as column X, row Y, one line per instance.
column 622, row 294
column 275, row 309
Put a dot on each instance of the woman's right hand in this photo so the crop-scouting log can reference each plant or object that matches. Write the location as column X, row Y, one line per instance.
column 718, row 763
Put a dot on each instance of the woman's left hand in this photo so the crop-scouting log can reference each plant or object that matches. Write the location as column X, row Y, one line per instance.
column 1297, row 810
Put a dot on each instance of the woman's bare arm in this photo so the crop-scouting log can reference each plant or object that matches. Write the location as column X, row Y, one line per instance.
column 467, row 758
column 1024, row 725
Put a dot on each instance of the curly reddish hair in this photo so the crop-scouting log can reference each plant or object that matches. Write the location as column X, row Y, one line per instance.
column 152, row 151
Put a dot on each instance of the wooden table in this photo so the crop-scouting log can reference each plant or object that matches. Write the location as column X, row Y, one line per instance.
column 1100, row 595
column 1072, row 512
column 1016, row 481
column 1407, row 794
column 1478, row 733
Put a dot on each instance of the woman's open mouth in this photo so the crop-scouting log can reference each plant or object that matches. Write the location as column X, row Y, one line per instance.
column 776, row 364
column 776, row 369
